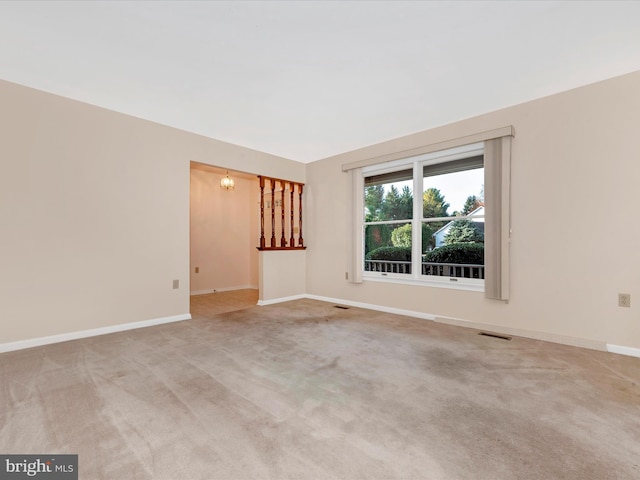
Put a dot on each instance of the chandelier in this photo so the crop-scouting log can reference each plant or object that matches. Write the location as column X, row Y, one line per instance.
column 227, row 183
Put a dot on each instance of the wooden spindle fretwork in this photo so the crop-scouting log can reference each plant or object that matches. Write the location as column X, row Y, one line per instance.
column 273, row 212
column 262, row 242
column 269, row 190
column 292, row 240
column 283, row 240
column 300, row 239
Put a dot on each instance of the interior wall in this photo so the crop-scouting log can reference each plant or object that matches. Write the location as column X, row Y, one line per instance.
column 282, row 275
column 224, row 233
column 574, row 243
column 94, row 209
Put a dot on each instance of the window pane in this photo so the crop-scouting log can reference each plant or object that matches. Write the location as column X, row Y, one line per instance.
column 431, row 233
column 459, row 260
column 455, row 247
column 387, row 248
column 470, row 230
column 454, row 193
column 389, row 200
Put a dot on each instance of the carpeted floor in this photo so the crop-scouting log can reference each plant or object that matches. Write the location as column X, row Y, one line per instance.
column 304, row 390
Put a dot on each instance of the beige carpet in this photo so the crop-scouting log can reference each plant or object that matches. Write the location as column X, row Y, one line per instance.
column 304, row 390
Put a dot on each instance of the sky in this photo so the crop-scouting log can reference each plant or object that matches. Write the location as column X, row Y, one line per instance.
column 455, row 187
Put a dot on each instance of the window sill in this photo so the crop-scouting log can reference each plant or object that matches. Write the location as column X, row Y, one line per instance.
column 466, row 284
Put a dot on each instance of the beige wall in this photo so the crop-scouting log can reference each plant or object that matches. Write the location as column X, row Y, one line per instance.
column 94, row 212
column 576, row 234
column 282, row 274
column 224, row 232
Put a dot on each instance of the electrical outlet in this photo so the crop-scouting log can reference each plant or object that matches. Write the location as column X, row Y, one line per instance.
column 176, row 284
column 197, row 269
column 624, row 300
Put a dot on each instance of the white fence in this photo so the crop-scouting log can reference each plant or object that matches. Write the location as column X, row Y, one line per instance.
column 457, row 270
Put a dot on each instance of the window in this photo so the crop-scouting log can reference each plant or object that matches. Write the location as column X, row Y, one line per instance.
column 435, row 236
column 388, row 218
column 495, row 148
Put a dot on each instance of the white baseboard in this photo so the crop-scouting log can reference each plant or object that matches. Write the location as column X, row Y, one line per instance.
column 65, row 337
column 262, row 303
column 202, row 292
column 370, row 306
column 632, row 352
column 547, row 337
column 224, row 289
column 532, row 334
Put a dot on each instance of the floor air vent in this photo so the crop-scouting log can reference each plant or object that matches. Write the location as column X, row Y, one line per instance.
column 341, row 307
column 495, row 335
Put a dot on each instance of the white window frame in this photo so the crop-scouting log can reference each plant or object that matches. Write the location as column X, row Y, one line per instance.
column 417, row 163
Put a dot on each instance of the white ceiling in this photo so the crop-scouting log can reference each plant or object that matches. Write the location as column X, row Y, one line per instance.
column 310, row 79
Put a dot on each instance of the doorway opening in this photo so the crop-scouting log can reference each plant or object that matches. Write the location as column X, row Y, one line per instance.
column 224, row 228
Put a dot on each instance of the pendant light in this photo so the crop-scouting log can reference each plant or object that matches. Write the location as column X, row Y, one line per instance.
column 227, row 183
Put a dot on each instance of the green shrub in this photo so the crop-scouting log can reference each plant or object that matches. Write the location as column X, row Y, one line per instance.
column 469, row 253
column 393, row 254
column 401, row 236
